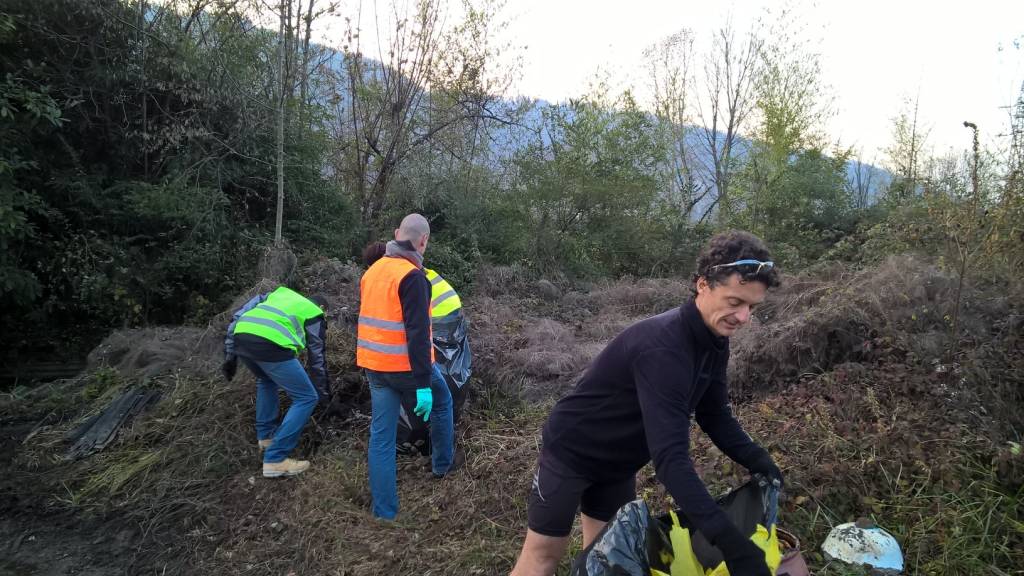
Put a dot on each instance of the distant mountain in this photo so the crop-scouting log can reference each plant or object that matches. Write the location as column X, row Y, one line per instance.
column 872, row 179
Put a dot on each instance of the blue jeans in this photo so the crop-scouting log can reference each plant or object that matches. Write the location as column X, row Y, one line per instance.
column 291, row 376
column 386, row 401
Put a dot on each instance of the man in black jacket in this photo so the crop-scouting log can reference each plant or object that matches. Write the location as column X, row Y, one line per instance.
column 633, row 405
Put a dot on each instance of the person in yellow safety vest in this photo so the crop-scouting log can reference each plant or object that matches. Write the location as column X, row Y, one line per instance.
column 393, row 347
column 268, row 333
column 443, row 298
column 451, row 340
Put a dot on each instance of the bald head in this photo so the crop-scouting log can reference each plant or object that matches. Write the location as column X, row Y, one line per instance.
column 416, row 230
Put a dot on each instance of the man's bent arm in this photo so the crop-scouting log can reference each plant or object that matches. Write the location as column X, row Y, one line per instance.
column 715, row 418
column 664, row 403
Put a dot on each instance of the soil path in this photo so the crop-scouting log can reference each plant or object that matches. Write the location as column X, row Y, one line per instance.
column 37, row 542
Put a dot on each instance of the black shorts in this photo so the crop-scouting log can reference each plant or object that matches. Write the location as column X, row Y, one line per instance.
column 558, row 492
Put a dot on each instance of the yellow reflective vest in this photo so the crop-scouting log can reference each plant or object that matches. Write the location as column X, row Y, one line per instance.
column 443, row 298
column 280, row 318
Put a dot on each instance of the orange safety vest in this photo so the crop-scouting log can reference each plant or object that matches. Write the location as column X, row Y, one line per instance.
column 381, row 343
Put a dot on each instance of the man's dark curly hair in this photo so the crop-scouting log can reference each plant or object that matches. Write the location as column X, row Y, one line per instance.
column 729, row 247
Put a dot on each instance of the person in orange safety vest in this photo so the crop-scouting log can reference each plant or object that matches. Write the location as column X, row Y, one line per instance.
column 394, row 349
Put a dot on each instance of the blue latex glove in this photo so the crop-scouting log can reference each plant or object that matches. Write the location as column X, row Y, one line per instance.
column 424, row 402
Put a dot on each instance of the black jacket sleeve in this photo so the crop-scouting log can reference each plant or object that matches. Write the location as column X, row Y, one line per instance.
column 316, row 359
column 414, row 293
column 664, row 386
column 715, row 417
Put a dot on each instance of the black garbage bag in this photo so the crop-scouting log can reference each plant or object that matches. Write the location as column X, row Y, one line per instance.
column 625, row 545
column 453, row 356
column 635, row 543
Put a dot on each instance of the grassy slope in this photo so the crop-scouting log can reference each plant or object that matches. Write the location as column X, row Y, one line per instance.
column 885, row 434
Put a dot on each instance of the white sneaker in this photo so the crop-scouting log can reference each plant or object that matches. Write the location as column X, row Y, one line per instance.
column 286, row 467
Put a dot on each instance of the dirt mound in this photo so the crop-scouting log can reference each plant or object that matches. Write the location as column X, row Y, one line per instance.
column 338, row 281
column 496, row 280
column 527, row 355
column 639, row 298
column 551, row 350
column 219, row 323
column 278, row 264
column 145, row 353
column 903, row 306
column 538, row 348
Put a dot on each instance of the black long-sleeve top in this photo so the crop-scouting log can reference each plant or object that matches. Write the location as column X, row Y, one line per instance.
column 414, row 294
column 634, row 403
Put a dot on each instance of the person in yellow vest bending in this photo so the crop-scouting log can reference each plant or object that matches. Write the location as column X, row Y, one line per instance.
column 393, row 346
column 268, row 333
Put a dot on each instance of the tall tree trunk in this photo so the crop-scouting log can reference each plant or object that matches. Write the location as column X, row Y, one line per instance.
column 304, row 86
column 142, row 88
column 280, row 127
column 965, row 245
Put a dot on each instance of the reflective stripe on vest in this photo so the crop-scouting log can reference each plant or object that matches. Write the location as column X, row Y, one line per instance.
column 286, row 316
column 443, row 298
column 272, row 325
column 384, row 348
column 280, row 319
column 381, row 344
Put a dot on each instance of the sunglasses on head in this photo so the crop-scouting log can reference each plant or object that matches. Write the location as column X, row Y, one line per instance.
column 747, row 267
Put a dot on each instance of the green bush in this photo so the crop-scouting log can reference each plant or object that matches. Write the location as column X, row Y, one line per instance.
column 456, row 260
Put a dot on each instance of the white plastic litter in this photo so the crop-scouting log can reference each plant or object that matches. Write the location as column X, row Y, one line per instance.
column 865, row 545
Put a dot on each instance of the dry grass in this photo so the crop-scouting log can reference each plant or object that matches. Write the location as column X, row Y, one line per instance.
column 641, row 298
column 538, row 348
column 903, row 304
column 886, row 444
column 468, row 523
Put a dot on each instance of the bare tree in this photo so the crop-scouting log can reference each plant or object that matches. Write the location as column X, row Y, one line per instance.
column 1009, row 214
column 432, row 80
column 285, row 8
column 306, row 55
column 905, row 155
column 670, row 70
column 730, row 70
column 862, row 182
column 1014, row 186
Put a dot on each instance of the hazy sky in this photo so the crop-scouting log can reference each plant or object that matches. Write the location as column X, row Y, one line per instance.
column 958, row 57
column 873, row 53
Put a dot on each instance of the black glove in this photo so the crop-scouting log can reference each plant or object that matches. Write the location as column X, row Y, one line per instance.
column 766, row 466
column 324, row 390
column 742, row 557
column 229, row 367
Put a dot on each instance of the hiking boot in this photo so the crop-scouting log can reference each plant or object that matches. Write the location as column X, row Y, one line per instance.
column 458, row 461
column 286, row 467
column 264, row 444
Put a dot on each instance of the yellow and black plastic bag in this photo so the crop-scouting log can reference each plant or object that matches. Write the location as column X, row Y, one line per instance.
column 635, row 543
